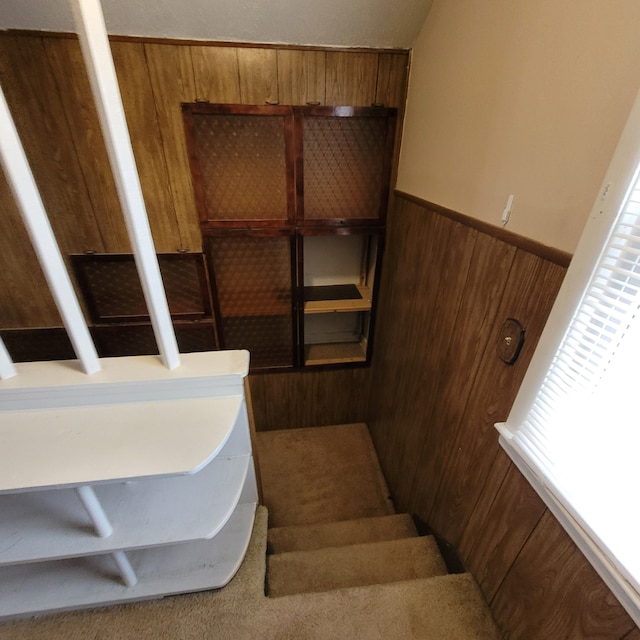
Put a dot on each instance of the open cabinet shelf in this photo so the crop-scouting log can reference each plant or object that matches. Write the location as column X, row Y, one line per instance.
column 334, row 353
column 165, row 454
column 79, row 582
column 339, row 304
column 292, row 200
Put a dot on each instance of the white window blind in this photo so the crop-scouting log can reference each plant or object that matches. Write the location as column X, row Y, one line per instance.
column 574, row 430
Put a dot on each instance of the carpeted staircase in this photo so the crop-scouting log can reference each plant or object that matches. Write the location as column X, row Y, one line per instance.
column 341, row 565
column 332, row 527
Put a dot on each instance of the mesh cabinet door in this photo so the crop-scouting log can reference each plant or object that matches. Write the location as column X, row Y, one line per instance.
column 344, row 171
column 251, row 276
column 241, row 164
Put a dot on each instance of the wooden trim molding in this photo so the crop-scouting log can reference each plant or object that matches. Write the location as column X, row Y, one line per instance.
column 556, row 256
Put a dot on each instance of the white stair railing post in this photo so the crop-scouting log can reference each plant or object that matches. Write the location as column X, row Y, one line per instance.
column 25, row 191
column 104, row 84
column 7, row 370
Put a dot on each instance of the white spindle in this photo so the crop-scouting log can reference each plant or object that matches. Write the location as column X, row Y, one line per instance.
column 97, row 54
column 98, row 517
column 7, row 370
column 124, row 566
column 26, row 193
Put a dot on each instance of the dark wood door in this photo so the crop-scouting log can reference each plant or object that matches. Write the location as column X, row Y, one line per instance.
column 252, row 277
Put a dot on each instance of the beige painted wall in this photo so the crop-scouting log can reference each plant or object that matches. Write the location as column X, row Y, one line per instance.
column 523, row 97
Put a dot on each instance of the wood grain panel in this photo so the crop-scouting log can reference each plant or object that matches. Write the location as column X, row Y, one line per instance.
column 529, row 292
column 419, row 399
column 505, row 527
column 172, row 81
column 146, row 139
column 32, row 94
column 391, row 86
column 391, row 91
column 351, row 78
column 301, row 76
column 216, row 74
column 553, row 592
column 409, row 228
column 258, row 69
column 68, row 67
column 419, row 313
column 459, row 366
column 633, row 635
column 25, row 300
column 309, row 399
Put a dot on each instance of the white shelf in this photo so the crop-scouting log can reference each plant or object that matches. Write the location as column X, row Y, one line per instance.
column 44, row 525
column 65, row 446
column 164, row 461
column 84, row 582
column 341, row 306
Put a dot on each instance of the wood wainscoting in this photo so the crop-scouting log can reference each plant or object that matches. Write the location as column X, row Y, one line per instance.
column 437, row 388
column 46, row 86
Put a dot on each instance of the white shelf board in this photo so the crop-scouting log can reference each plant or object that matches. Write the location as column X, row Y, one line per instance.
column 41, row 385
column 128, row 369
column 341, row 306
column 66, row 446
column 45, row 525
column 91, row 581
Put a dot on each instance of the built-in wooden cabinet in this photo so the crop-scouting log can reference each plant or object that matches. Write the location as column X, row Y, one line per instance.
column 292, row 204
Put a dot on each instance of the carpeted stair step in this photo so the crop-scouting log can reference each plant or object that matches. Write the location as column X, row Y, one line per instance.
column 321, row 474
column 339, row 534
column 354, row 565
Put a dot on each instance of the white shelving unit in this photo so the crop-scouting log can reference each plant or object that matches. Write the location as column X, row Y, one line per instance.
column 166, row 459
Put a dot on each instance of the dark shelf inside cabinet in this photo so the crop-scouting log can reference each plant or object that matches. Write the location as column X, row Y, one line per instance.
column 332, row 292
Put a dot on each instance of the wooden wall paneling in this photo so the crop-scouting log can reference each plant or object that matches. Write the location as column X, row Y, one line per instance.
column 351, row 78
column 430, row 274
column 271, row 401
column 553, row 592
column 301, row 76
column 391, row 85
column 69, row 70
column 471, row 330
column 216, row 74
column 502, row 529
column 392, row 422
column 25, row 299
column 529, row 292
column 258, row 69
column 32, row 94
column 256, row 383
column 172, row 82
column 146, row 138
column 391, row 91
column 310, row 398
column 341, row 396
column 396, row 289
column 633, row 635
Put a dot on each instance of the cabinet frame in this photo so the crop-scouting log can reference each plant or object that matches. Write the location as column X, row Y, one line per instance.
column 370, row 201
column 205, row 108
column 300, row 115
column 208, row 235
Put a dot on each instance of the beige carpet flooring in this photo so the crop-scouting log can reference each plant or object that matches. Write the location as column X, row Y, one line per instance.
column 326, row 475
column 321, row 475
column 447, row 608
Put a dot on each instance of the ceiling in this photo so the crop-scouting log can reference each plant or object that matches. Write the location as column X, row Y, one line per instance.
column 340, row 23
